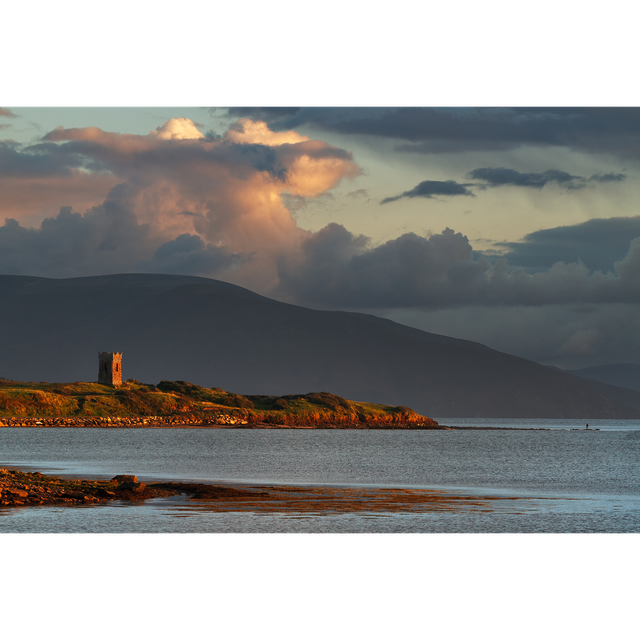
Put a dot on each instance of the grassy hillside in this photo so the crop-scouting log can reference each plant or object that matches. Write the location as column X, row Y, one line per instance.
column 85, row 399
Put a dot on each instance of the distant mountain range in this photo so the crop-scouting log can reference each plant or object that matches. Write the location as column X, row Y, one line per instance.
column 215, row 334
column 619, row 381
column 620, row 375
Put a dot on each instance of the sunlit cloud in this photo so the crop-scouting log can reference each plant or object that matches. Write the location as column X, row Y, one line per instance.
column 178, row 129
column 257, row 132
column 224, row 193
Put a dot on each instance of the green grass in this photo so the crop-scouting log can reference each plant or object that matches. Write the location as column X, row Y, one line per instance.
column 85, row 399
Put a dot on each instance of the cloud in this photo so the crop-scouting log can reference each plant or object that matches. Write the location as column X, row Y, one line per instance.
column 257, row 132
column 72, row 244
column 178, row 129
column 501, row 176
column 106, row 239
column 597, row 243
column 431, row 188
column 7, row 113
column 336, row 269
column 216, row 206
column 36, row 180
column 188, row 199
column 36, row 161
column 190, row 255
column 608, row 177
column 457, row 130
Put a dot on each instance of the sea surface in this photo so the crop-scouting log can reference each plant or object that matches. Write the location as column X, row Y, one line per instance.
column 558, row 476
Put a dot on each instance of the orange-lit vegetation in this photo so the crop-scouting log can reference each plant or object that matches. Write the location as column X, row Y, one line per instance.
column 83, row 399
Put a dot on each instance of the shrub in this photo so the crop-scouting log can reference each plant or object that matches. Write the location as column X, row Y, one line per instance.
column 187, row 389
column 141, row 402
column 235, row 400
column 326, row 399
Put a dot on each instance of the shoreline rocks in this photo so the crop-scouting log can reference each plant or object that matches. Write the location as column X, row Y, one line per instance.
column 20, row 488
column 188, row 421
column 121, row 421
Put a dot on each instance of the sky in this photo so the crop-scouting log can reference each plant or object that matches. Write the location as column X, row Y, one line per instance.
column 514, row 227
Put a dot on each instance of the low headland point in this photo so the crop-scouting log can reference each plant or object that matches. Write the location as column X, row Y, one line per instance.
column 112, row 402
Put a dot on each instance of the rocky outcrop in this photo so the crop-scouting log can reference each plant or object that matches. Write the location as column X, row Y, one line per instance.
column 18, row 488
column 124, row 421
column 124, row 478
column 129, row 482
column 193, row 421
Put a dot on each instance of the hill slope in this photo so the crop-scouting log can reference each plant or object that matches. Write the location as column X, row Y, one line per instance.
column 219, row 335
column 620, row 375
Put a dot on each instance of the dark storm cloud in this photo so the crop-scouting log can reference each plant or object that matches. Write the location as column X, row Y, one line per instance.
column 608, row 177
column 190, row 255
column 7, row 113
column 106, row 239
column 261, row 158
column 501, row 176
column 431, row 188
column 598, row 243
column 450, row 130
column 261, row 113
column 36, row 160
column 107, row 151
column 335, row 268
column 66, row 244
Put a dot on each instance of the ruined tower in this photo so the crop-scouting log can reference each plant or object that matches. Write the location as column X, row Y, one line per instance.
column 110, row 369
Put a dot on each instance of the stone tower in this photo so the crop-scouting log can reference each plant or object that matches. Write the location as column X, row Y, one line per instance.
column 110, row 370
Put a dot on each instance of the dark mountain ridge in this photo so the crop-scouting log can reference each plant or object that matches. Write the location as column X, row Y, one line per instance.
column 216, row 334
column 626, row 375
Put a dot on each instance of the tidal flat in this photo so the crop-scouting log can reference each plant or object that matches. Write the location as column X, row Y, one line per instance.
column 23, row 489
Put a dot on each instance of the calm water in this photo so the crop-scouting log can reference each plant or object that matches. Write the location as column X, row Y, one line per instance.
column 567, row 479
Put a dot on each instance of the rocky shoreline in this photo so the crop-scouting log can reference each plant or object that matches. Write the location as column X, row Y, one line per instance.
column 19, row 488
column 226, row 421
column 218, row 421
column 221, row 420
column 28, row 489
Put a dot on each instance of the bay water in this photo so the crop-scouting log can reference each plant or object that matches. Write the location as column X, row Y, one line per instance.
column 559, row 476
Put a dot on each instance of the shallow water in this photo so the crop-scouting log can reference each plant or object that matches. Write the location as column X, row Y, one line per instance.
column 565, row 479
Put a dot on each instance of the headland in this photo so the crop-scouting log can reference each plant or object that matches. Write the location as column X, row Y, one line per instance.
column 180, row 404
